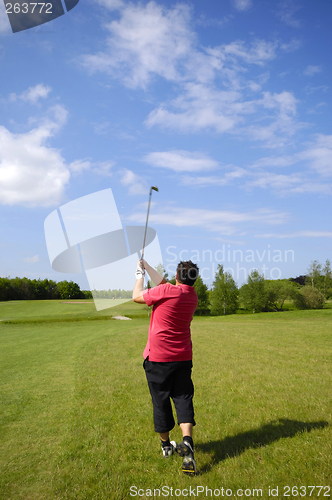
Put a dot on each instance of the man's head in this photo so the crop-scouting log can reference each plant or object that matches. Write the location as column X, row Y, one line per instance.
column 187, row 273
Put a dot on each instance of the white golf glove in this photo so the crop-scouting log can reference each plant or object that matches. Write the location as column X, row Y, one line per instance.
column 140, row 273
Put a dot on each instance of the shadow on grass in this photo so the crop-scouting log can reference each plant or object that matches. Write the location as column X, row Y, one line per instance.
column 255, row 438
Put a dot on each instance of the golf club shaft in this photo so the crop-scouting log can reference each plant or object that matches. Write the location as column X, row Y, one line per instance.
column 146, row 225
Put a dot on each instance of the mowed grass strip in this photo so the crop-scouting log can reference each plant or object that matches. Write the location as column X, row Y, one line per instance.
column 76, row 415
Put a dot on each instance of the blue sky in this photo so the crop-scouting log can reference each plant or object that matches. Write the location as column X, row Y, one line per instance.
column 224, row 105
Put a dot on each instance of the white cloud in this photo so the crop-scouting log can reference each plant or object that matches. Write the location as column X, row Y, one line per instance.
column 111, row 4
column 79, row 166
column 101, row 168
column 32, row 260
column 285, row 103
column 242, row 4
column 270, row 161
column 146, row 41
column 222, row 180
column 316, row 109
column 256, row 176
column 102, row 128
column 134, row 183
column 32, row 94
column 259, row 52
column 203, row 181
column 151, row 41
column 286, row 13
column 225, row 222
column 312, row 187
column 297, row 234
column 320, row 155
column 199, row 108
column 202, row 108
column 291, row 46
column 279, row 126
column 278, row 182
column 181, row 161
column 320, row 88
column 314, row 166
column 208, row 22
column 312, row 70
column 31, row 172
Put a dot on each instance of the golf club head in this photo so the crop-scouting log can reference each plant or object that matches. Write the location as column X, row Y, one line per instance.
column 154, row 188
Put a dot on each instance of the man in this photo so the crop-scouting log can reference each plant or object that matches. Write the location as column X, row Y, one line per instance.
column 168, row 354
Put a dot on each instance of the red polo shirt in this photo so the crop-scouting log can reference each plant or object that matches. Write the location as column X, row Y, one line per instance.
column 169, row 333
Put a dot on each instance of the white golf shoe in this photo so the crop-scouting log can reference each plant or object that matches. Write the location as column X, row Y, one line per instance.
column 169, row 450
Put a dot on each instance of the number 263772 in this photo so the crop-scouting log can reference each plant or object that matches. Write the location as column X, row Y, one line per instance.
column 26, row 8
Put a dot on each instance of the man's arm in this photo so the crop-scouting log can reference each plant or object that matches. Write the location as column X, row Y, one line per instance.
column 138, row 291
column 138, row 288
column 154, row 275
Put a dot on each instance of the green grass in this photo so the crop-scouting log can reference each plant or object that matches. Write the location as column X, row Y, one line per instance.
column 76, row 416
column 35, row 311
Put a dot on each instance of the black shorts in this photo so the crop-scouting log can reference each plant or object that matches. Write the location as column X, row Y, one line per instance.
column 170, row 380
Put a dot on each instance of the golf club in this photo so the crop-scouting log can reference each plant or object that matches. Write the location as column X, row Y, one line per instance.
column 154, row 188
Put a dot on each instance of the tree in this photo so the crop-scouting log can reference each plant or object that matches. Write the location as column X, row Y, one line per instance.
column 327, row 289
column 314, row 271
column 276, row 292
column 224, row 297
column 300, row 280
column 252, row 294
column 270, row 296
column 286, row 291
column 16, row 289
column 203, row 297
column 4, row 289
column 68, row 289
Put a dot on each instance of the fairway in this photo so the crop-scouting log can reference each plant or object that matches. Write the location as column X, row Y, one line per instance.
column 76, row 415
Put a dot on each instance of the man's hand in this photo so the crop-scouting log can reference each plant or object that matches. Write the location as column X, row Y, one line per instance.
column 140, row 273
column 138, row 288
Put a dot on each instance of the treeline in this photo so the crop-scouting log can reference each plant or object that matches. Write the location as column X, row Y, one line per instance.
column 309, row 291
column 112, row 294
column 258, row 294
column 26, row 289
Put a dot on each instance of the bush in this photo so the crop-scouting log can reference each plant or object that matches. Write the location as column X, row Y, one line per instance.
column 314, row 299
column 309, row 298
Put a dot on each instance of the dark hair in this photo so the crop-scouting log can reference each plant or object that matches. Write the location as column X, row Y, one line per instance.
column 187, row 273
